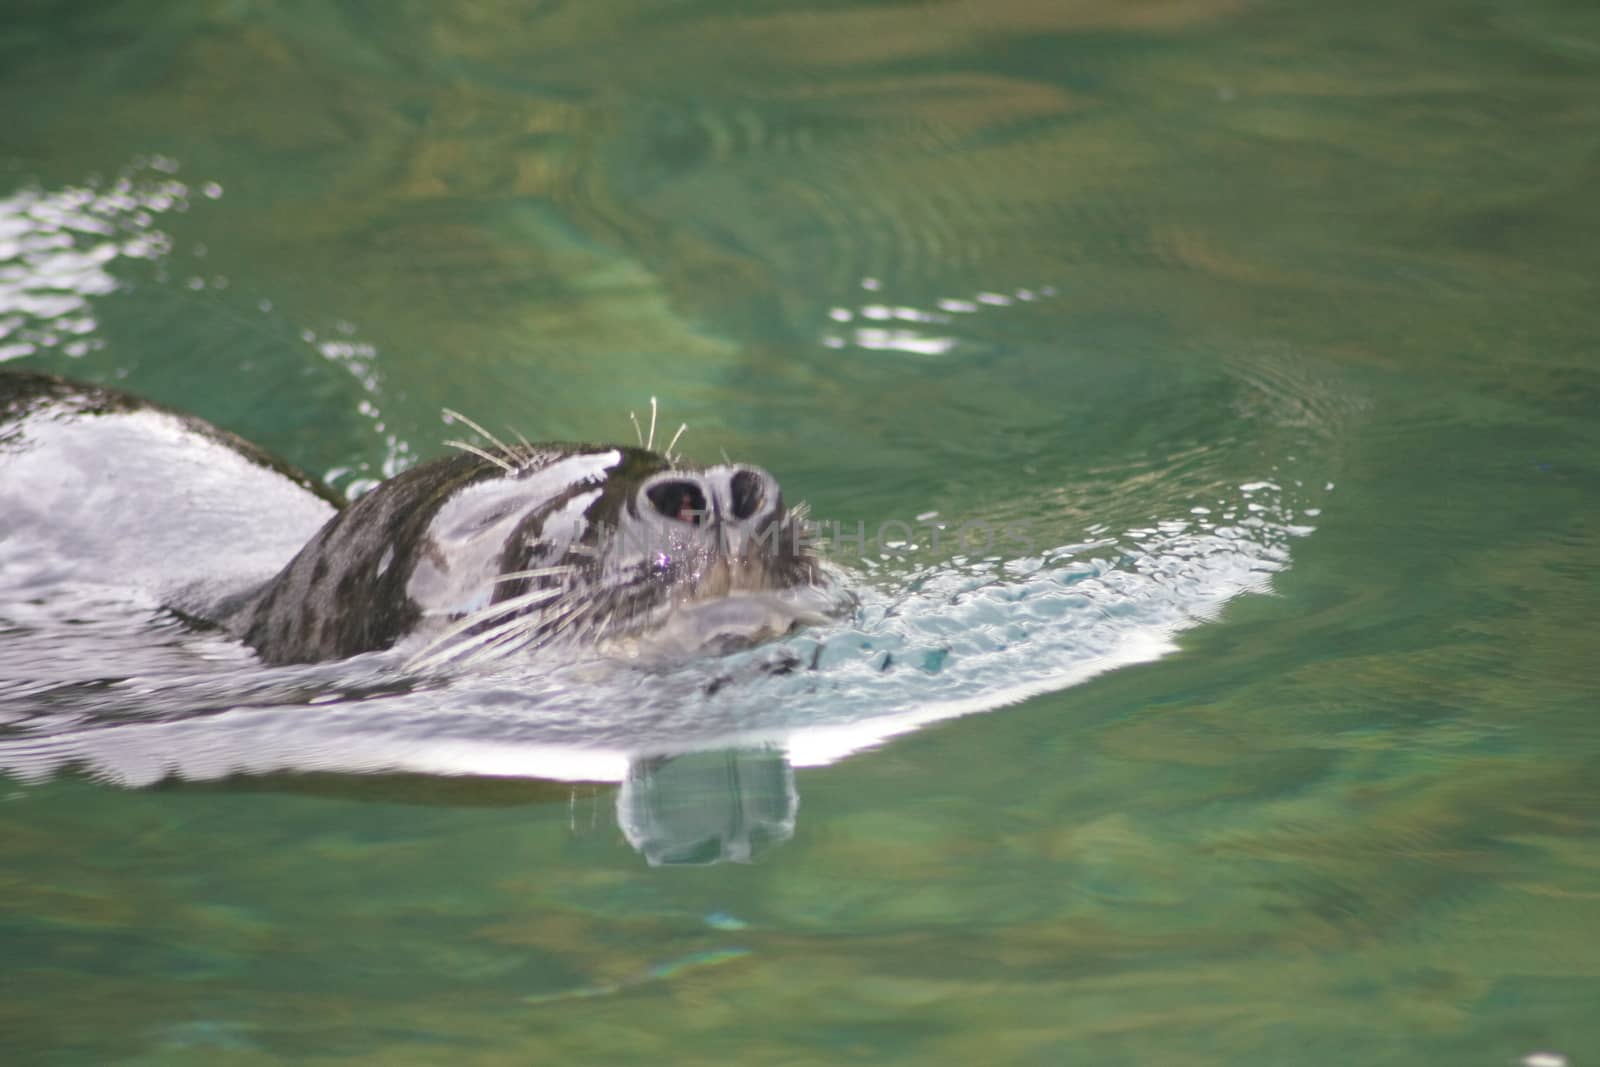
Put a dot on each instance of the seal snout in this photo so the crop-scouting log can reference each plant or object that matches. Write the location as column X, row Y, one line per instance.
column 739, row 503
column 733, row 496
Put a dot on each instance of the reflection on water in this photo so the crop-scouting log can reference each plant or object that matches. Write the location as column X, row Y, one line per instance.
column 708, row 807
column 881, row 327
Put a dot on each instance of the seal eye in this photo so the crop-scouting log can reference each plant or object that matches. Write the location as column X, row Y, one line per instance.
column 680, row 500
column 748, row 492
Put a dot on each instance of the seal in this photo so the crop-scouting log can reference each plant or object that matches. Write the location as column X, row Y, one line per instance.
column 497, row 550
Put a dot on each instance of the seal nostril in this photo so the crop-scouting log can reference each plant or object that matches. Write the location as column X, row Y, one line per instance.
column 678, row 499
column 748, row 492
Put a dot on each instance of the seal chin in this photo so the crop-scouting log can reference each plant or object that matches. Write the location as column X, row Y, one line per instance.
column 729, row 576
column 725, row 623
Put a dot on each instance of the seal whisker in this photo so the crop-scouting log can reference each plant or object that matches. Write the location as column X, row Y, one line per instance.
column 513, row 635
column 527, row 446
column 472, row 646
column 516, row 603
column 477, row 618
column 563, row 623
column 504, row 607
column 537, row 572
column 431, row 658
column 481, row 432
column 498, row 649
column 673, row 442
column 491, row 457
column 503, row 636
column 651, row 443
column 589, row 614
column 636, row 431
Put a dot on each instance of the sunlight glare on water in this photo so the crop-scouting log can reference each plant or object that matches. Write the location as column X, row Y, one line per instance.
column 55, row 249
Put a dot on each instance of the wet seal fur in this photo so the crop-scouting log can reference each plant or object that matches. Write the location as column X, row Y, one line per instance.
column 499, row 549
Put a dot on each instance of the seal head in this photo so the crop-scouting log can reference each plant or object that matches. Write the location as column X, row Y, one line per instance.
column 480, row 555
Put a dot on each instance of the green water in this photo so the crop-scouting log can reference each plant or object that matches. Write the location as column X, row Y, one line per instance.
column 1352, row 822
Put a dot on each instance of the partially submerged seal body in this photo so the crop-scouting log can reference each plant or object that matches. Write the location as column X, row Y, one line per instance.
column 479, row 555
